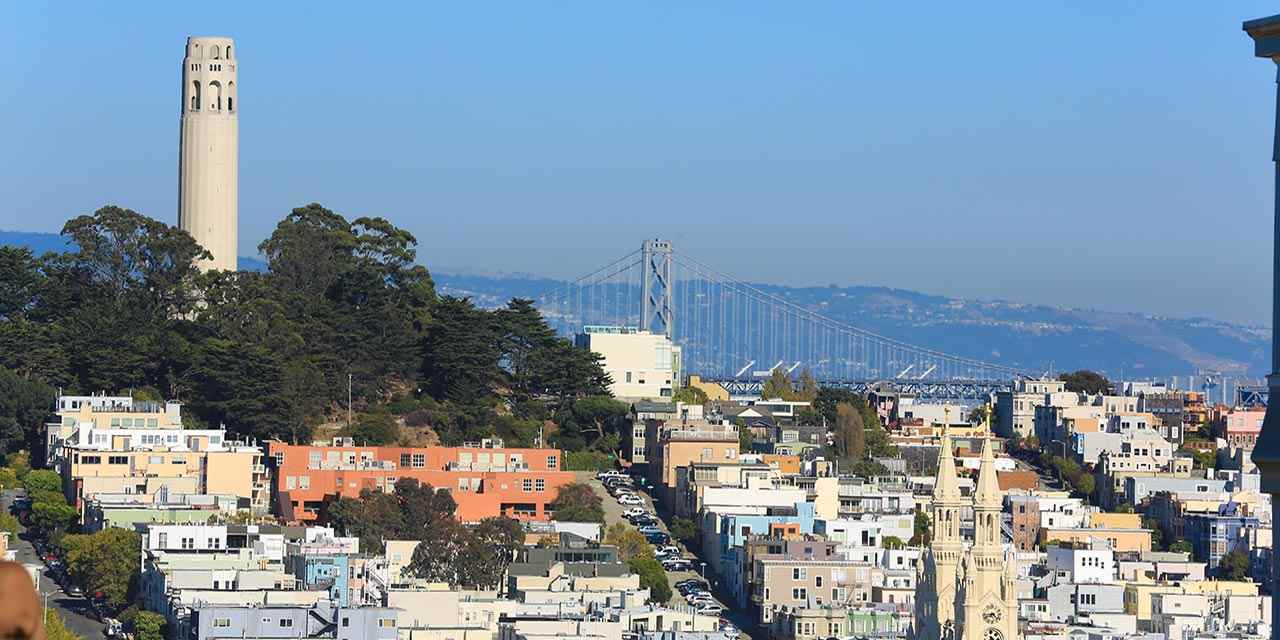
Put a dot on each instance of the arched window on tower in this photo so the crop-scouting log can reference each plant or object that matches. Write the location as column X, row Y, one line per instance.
column 195, row 95
column 231, row 96
column 216, row 53
column 228, row 52
column 215, row 89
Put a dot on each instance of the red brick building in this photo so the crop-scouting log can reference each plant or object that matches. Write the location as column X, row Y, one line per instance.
column 484, row 481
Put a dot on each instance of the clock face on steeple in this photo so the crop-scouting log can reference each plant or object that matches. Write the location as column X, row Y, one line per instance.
column 992, row 616
column 993, row 634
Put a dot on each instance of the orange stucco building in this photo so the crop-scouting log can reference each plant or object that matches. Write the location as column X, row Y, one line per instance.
column 485, row 481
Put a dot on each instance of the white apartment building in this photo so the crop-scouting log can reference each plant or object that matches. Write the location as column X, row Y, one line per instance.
column 1093, row 566
column 643, row 365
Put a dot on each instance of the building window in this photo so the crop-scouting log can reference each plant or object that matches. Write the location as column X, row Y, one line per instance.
column 304, row 482
column 799, row 574
column 419, row 460
column 387, row 623
column 527, row 484
column 164, row 540
column 405, row 459
column 117, row 459
column 540, row 485
column 290, row 482
column 222, row 622
column 286, row 623
column 800, row 594
column 552, row 461
column 91, row 459
column 188, row 543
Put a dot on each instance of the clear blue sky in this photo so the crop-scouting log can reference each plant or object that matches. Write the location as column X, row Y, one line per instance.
column 1103, row 156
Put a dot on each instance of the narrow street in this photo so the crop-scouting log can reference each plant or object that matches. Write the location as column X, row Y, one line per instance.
column 73, row 610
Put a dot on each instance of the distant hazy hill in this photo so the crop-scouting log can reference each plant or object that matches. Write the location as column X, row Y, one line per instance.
column 1031, row 337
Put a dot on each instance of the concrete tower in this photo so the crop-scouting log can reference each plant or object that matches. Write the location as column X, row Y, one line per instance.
column 208, row 168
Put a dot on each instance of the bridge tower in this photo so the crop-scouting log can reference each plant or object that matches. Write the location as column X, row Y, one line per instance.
column 655, row 263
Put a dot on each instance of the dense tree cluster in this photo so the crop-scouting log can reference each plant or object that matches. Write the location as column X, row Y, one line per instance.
column 1085, row 381
column 450, row 552
column 857, row 436
column 270, row 354
column 780, row 386
column 104, row 562
column 577, row 502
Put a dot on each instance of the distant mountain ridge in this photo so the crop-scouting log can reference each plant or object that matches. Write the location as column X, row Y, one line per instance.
column 1031, row 337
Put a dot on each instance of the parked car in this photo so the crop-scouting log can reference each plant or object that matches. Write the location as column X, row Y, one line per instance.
column 698, row 598
column 729, row 628
column 611, row 473
column 677, row 564
column 630, row 498
column 73, row 590
column 667, row 550
column 711, row 609
column 634, row 512
column 657, row 538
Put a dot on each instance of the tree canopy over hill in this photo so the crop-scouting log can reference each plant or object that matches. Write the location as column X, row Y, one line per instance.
column 269, row 354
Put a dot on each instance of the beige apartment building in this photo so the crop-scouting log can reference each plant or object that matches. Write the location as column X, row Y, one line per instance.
column 233, row 471
column 674, row 446
column 642, row 365
column 115, row 445
column 797, row 583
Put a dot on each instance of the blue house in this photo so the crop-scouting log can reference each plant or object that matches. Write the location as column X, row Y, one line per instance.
column 1213, row 535
column 322, row 571
column 724, row 549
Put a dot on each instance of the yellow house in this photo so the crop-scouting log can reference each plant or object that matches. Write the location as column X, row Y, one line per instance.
column 714, row 392
column 1128, row 539
column 1104, row 520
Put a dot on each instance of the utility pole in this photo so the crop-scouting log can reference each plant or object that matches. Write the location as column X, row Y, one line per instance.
column 348, row 400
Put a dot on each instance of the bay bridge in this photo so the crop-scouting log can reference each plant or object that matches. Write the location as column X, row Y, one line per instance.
column 736, row 333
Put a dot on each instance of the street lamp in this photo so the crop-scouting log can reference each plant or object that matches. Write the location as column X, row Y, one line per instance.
column 1266, row 452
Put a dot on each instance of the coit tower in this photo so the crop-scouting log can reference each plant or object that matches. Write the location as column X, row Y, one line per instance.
column 207, row 164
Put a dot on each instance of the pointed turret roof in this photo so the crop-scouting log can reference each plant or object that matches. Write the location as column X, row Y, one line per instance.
column 946, row 489
column 987, row 493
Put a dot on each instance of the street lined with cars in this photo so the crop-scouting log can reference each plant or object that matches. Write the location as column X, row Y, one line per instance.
column 690, row 588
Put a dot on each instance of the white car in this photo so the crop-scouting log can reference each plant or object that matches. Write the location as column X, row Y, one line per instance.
column 634, row 512
column 712, row 609
column 630, row 498
column 667, row 550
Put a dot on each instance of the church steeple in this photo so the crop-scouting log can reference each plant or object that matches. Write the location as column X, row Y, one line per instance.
column 987, row 493
column 946, row 487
